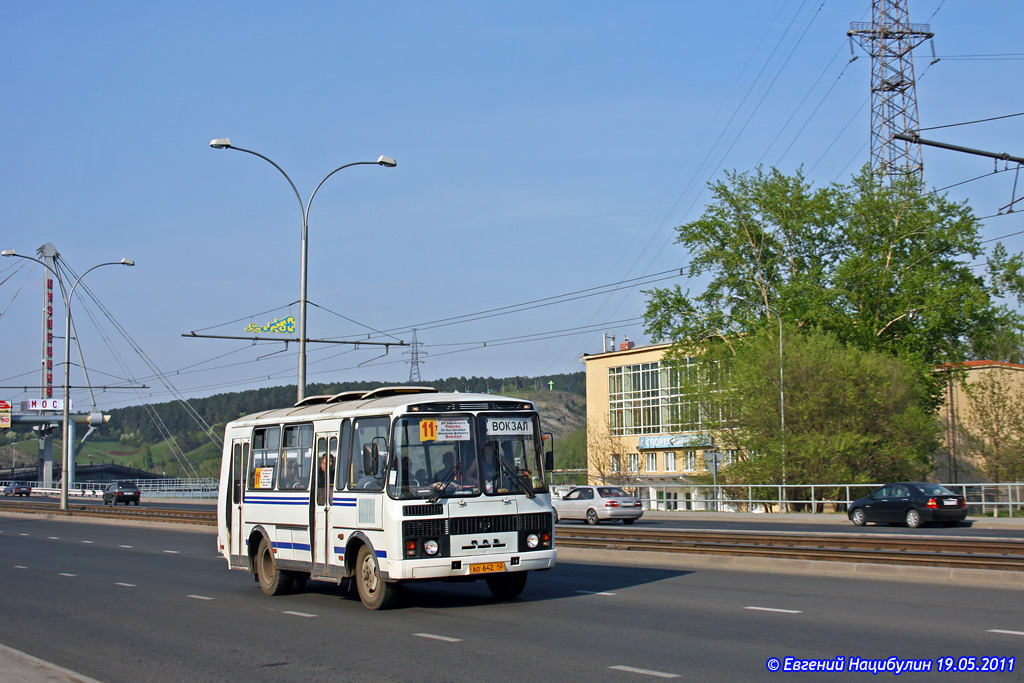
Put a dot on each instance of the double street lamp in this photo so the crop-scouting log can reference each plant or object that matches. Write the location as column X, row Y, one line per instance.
column 67, row 446
column 225, row 143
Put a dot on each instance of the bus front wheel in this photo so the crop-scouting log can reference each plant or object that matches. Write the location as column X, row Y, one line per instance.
column 272, row 580
column 374, row 592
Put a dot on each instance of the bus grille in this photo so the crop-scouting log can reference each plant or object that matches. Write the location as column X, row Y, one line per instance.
column 422, row 510
column 499, row 523
column 423, row 527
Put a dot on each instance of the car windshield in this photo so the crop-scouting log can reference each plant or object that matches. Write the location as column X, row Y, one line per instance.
column 457, row 455
column 611, row 492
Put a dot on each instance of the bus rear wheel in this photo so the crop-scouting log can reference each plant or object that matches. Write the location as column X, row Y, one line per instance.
column 272, row 581
column 374, row 592
column 507, row 586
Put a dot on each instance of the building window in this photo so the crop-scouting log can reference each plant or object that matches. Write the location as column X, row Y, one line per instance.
column 670, row 462
column 652, row 462
column 633, row 462
column 616, row 463
column 647, row 398
column 689, row 461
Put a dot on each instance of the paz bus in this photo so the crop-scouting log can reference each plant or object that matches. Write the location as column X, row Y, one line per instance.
column 385, row 487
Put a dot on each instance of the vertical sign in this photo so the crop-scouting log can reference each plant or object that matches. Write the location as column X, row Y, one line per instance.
column 48, row 331
column 5, row 415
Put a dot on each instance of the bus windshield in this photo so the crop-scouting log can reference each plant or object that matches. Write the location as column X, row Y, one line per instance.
column 462, row 456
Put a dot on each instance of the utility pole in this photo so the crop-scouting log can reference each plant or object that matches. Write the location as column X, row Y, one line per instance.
column 890, row 39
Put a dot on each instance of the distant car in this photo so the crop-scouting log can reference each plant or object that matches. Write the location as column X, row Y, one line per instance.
column 122, row 492
column 598, row 503
column 910, row 503
column 18, row 489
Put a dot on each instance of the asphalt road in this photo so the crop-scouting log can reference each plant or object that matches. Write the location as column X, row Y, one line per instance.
column 723, row 521
column 154, row 603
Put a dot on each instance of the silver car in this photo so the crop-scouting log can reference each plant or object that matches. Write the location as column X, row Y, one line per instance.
column 598, row 503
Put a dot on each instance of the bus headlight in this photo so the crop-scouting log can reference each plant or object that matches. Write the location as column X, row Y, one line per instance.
column 430, row 547
column 532, row 541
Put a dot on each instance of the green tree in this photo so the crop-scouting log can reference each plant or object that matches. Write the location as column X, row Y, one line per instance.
column 882, row 267
column 996, row 426
column 850, row 415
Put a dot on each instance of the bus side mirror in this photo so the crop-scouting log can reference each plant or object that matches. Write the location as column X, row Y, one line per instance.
column 549, row 452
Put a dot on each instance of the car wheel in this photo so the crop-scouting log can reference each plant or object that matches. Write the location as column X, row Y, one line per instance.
column 272, row 581
column 592, row 516
column 136, row 502
column 507, row 586
column 913, row 518
column 374, row 592
column 628, row 521
column 858, row 517
column 554, row 516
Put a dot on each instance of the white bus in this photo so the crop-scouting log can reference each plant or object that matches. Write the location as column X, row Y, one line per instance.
column 384, row 487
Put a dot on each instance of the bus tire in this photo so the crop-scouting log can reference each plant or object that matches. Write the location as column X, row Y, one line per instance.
column 374, row 592
column 507, row 586
column 272, row 581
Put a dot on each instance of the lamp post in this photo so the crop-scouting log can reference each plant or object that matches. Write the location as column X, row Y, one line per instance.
column 782, row 396
column 65, row 461
column 388, row 162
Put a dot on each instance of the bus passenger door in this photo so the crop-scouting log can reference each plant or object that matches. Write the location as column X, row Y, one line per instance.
column 235, row 507
column 320, row 536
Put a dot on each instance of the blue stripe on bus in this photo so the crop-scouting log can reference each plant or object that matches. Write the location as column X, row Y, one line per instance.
column 344, row 502
column 267, row 500
column 280, row 545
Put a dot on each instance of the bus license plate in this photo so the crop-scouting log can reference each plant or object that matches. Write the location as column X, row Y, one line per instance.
column 486, row 567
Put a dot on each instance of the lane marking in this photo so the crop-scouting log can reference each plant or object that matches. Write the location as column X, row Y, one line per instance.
column 53, row 538
column 645, row 672
column 775, row 609
column 299, row 614
column 89, row 542
column 20, row 566
column 66, row 574
column 433, row 636
column 594, row 593
column 171, row 552
column 125, row 546
column 1009, row 633
column 45, row 668
column 126, row 585
column 198, row 597
column 23, row 534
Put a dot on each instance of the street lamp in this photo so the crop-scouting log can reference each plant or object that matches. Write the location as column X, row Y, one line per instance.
column 65, row 461
column 388, row 162
column 782, row 394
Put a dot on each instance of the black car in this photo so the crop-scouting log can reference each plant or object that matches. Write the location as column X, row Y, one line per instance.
column 122, row 492
column 910, row 503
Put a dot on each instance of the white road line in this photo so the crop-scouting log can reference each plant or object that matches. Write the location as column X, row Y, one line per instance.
column 198, row 597
column 20, row 566
column 125, row 546
column 594, row 593
column 1009, row 633
column 126, row 585
column 774, row 609
column 299, row 614
column 23, row 534
column 89, row 542
column 171, row 552
column 53, row 538
column 433, row 636
column 66, row 574
column 645, row 672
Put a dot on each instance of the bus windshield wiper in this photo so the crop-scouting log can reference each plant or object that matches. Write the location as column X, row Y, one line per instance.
column 511, row 473
column 443, row 484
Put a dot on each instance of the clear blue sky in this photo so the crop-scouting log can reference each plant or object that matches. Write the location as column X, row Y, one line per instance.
column 543, row 148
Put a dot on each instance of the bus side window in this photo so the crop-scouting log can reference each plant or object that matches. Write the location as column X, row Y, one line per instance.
column 369, row 454
column 295, row 462
column 344, row 455
column 266, row 442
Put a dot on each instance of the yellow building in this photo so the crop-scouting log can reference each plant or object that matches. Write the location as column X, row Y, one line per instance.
column 642, row 431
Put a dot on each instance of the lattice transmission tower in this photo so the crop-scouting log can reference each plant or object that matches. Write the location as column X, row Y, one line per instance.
column 890, row 39
column 414, row 359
